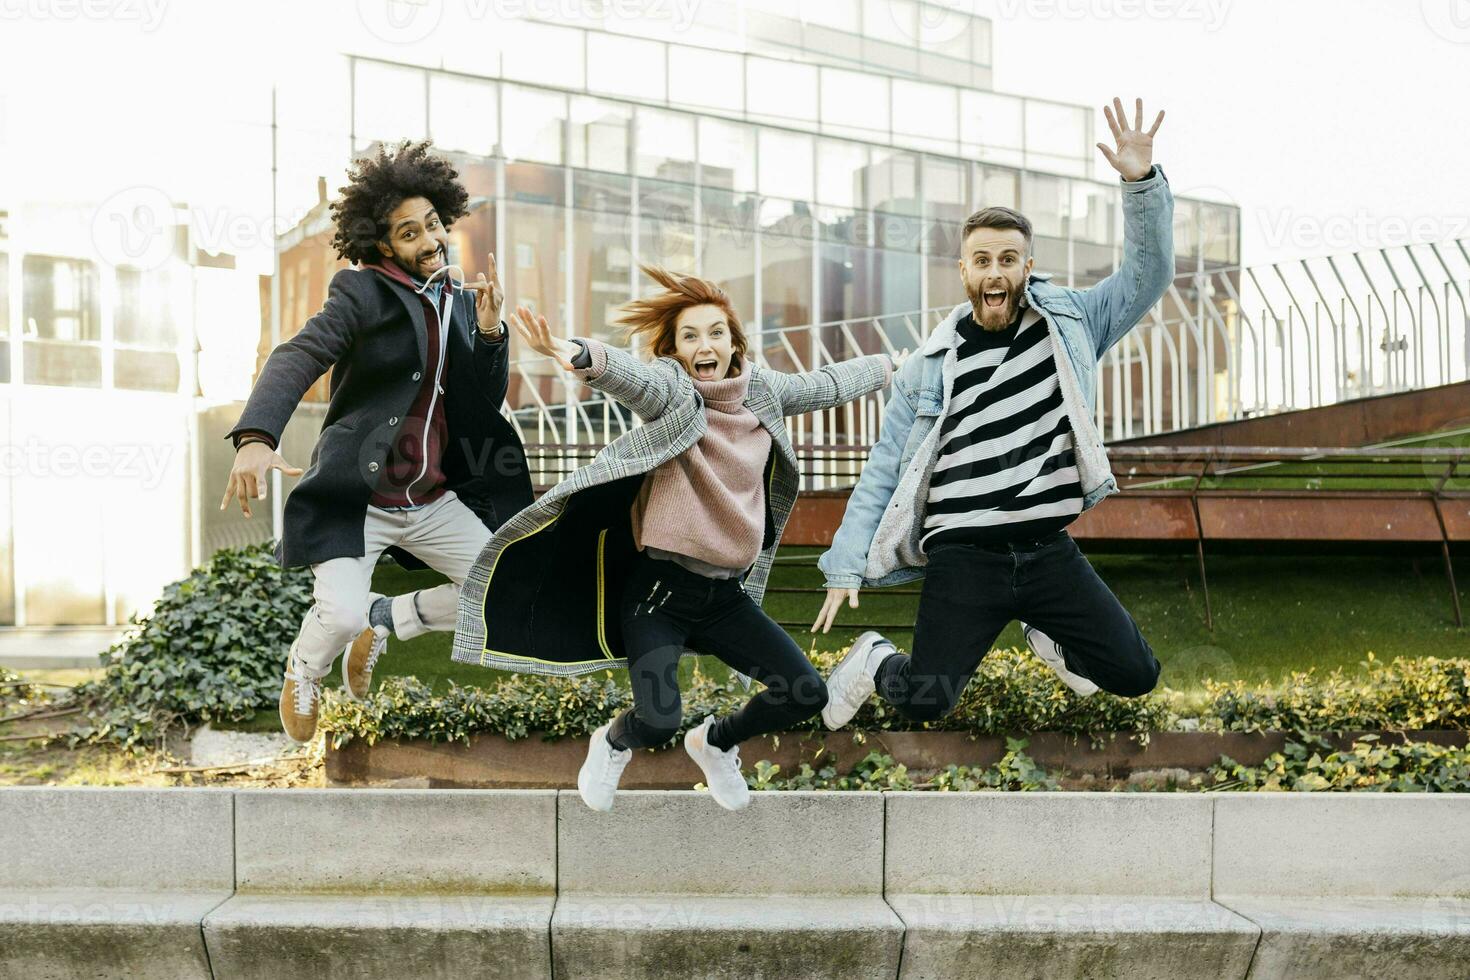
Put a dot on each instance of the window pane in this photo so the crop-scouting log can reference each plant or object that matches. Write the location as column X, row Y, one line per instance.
column 855, row 104
column 542, row 53
column 999, row 187
column 665, row 226
column 786, row 164
column 786, row 286
column 841, row 173
column 533, row 124
column 144, row 315
column 895, row 21
column 534, row 275
column 60, row 299
column 388, row 103
column 601, row 270
column 924, row 115
column 626, row 66
column 727, row 257
column 599, row 134
column 4, row 295
column 1042, row 200
column 726, row 155
column 893, row 182
column 1092, row 212
column 863, row 282
column 665, row 145
column 463, row 114
column 780, row 89
column 705, row 78
column 991, row 125
column 1056, row 130
column 946, row 188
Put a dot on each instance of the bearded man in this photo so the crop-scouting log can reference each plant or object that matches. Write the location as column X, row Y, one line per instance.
column 988, row 452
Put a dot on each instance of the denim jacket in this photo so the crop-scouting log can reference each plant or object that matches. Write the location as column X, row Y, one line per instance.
column 878, row 542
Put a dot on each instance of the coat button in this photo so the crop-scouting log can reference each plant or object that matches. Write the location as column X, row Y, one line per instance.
column 417, row 375
column 393, row 420
column 372, row 467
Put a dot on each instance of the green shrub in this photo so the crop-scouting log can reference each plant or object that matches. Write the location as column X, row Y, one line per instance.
column 1312, row 765
column 1011, row 692
column 1016, row 771
column 1407, row 694
column 211, row 650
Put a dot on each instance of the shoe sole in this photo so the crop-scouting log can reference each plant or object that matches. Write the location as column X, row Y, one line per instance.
column 346, row 659
column 863, row 643
column 1047, row 660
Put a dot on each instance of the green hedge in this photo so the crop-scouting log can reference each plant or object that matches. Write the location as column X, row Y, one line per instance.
column 211, row 650
column 1423, row 693
column 1012, row 691
column 1311, row 765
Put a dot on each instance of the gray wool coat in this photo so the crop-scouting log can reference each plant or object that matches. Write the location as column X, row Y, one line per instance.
column 543, row 596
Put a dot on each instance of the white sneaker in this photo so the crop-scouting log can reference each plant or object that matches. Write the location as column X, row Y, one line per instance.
column 852, row 681
column 1046, row 648
column 597, row 780
column 721, row 767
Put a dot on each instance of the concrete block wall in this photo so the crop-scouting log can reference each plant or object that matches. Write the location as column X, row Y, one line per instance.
column 531, row 884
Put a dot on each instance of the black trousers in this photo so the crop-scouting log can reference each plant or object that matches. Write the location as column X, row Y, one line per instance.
column 665, row 609
column 971, row 592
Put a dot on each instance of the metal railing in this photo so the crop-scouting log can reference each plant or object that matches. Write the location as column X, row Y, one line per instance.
column 1223, row 344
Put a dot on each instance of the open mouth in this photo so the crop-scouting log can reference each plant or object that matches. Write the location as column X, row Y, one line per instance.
column 432, row 262
column 994, row 298
column 706, row 368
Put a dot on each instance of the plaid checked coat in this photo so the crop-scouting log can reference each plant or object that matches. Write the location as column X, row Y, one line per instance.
column 542, row 598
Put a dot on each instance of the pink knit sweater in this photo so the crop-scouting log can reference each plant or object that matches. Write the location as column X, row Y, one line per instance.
column 708, row 503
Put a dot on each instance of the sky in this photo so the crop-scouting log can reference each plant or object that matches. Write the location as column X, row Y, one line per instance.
column 1336, row 125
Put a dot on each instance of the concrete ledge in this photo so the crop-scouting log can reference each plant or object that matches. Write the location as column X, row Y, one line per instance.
column 114, row 879
column 391, row 884
column 1007, row 886
column 670, row 885
column 267, row 937
column 1348, row 885
column 1020, row 937
column 735, row 937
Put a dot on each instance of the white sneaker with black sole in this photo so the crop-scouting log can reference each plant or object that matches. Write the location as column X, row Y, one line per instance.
column 597, row 780
column 721, row 767
column 1046, row 648
column 852, row 681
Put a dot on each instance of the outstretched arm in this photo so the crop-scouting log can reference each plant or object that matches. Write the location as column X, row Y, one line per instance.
column 1114, row 305
column 647, row 389
column 833, row 385
column 293, row 367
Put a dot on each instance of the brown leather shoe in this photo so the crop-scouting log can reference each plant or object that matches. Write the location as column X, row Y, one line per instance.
column 362, row 656
column 301, row 697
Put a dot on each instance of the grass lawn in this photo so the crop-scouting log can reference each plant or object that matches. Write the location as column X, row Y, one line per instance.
column 1273, row 615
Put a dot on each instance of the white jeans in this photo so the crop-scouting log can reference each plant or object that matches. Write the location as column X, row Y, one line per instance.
column 445, row 535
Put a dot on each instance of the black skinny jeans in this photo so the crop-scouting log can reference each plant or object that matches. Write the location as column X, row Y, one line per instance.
column 665, row 609
column 969, row 595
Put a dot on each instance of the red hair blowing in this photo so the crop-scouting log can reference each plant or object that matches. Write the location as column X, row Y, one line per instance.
column 651, row 319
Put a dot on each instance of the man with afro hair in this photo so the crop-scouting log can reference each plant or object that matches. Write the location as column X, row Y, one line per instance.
column 414, row 457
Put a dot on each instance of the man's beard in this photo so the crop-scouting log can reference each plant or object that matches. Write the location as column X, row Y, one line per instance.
column 1000, row 317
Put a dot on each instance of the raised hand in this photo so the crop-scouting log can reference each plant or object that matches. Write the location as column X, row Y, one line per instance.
column 488, row 299
column 536, row 332
column 247, row 478
column 1133, row 155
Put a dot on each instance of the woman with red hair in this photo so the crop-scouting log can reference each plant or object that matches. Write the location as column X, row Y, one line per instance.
column 663, row 543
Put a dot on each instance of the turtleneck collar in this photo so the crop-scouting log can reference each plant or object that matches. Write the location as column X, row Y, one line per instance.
column 726, row 394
